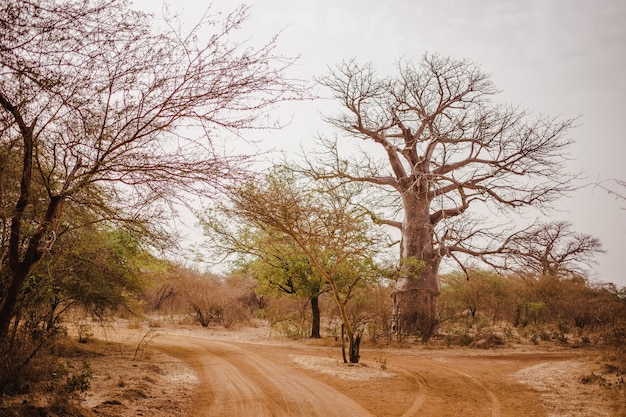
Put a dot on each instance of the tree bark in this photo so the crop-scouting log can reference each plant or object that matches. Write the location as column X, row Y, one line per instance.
column 315, row 318
column 19, row 269
column 354, row 347
column 416, row 292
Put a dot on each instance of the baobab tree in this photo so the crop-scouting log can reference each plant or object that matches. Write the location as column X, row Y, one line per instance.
column 100, row 111
column 438, row 145
column 550, row 250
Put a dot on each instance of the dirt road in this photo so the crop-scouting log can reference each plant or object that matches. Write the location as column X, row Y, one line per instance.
column 236, row 381
column 296, row 379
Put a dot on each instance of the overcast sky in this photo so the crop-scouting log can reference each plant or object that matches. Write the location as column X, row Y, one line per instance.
column 562, row 58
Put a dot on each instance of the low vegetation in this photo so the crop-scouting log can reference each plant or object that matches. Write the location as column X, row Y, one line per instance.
column 486, row 311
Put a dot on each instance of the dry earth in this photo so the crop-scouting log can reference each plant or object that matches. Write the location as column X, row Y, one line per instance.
column 177, row 370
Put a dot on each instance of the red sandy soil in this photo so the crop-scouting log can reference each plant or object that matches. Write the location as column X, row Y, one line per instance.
column 177, row 370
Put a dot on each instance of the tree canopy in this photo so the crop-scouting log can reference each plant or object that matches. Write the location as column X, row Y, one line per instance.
column 323, row 224
column 438, row 146
column 102, row 109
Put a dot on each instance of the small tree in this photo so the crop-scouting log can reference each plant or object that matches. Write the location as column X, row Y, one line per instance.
column 478, row 292
column 217, row 299
column 282, row 270
column 334, row 235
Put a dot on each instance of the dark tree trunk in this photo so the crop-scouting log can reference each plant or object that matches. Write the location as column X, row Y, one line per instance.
column 315, row 318
column 204, row 321
column 19, row 269
column 354, row 347
column 343, row 344
column 16, row 282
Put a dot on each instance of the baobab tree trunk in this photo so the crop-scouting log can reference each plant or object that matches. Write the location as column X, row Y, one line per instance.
column 415, row 312
column 416, row 292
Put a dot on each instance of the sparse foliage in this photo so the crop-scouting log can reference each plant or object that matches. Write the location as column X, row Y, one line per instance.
column 281, row 270
column 99, row 109
column 335, row 235
column 446, row 147
column 615, row 188
column 224, row 301
column 542, row 307
column 551, row 249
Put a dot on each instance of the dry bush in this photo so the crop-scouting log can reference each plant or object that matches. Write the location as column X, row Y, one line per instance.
column 164, row 293
column 567, row 310
column 212, row 299
column 52, row 378
column 488, row 340
column 370, row 309
column 290, row 316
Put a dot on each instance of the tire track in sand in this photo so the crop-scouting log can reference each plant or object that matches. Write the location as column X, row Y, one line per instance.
column 237, row 382
column 420, row 397
column 411, row 367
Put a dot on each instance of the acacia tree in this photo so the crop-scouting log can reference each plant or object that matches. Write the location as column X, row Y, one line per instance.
column 100, row 109
column 90, row 269
column 335, row 236
column 282, row 269
column 439, row 145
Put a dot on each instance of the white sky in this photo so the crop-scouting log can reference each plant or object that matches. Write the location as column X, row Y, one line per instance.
column 556, row 57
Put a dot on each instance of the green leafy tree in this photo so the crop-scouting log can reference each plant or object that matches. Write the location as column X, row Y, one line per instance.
column 478, row 292
column 335, row 236
column 93, row 270
column 281, row 270
column 97, row 269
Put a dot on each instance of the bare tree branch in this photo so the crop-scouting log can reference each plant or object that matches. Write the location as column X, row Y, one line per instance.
column 445, row 148
column 120, row 118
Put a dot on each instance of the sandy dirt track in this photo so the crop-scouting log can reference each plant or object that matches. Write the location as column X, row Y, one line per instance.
column 235, row 381
column 250, row 374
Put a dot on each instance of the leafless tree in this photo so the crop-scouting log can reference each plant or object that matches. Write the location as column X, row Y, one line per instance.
column 551, row 249
column 438, row 144
column 105, row 112
column 615, row 188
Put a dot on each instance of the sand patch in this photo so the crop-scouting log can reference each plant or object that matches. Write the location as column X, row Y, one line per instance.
column 330, row 366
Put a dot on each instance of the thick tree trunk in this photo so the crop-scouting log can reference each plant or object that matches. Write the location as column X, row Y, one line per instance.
column 416, row 292
column 9, row 301
column 415, row 313
column 315, row 318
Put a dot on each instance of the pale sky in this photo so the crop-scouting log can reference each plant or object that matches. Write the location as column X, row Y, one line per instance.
column 562, row 58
